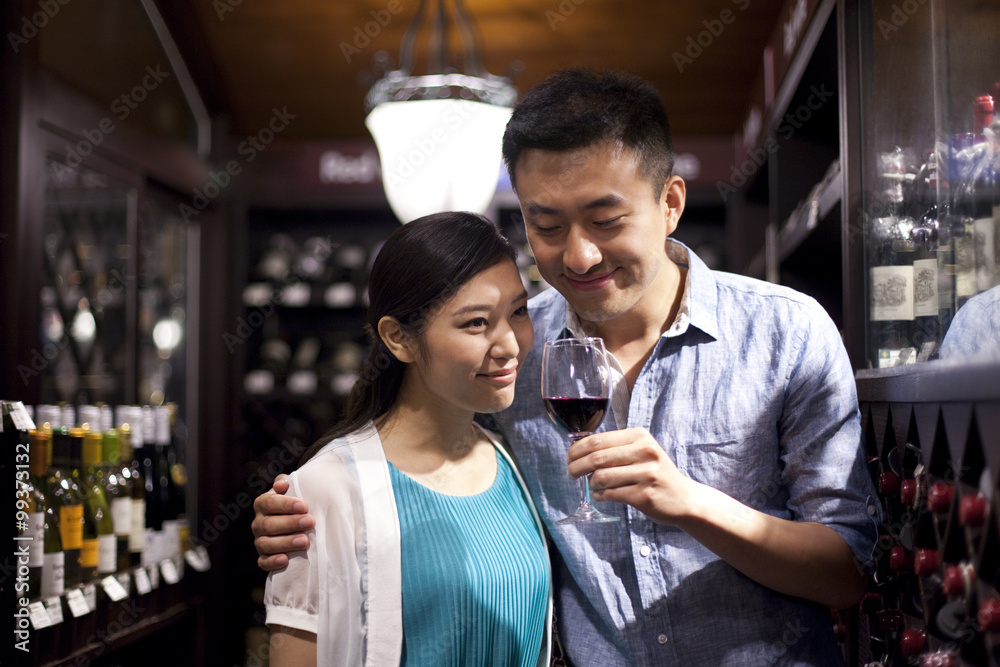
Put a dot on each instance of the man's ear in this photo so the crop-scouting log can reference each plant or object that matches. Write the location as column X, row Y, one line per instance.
column 672, row 200
column 398, row 342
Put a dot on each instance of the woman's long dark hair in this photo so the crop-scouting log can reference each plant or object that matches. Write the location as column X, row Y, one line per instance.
column 421, row 265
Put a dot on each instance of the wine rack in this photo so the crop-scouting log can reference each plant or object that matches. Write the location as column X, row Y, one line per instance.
column 301, row 335
column 933, row 441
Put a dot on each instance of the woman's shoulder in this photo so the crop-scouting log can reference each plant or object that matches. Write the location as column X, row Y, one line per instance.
column 336, row 458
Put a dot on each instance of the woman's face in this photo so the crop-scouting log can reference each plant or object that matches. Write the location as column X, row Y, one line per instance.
column 474, row 343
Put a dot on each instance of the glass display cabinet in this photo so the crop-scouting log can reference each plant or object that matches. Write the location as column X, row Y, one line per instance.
column 930, row 74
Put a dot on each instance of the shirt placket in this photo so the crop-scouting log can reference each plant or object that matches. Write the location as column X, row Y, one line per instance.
column 653, row 638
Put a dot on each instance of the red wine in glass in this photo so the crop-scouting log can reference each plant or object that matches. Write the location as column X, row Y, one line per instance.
column 576, row 415
column 576, row 390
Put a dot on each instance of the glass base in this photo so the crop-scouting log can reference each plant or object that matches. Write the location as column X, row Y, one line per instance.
column 587, row 514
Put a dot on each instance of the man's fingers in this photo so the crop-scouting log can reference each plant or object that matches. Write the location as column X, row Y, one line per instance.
column 272, row 563
column 281, row 545
column 277, row 525
column 273, row 503
column 280, row 484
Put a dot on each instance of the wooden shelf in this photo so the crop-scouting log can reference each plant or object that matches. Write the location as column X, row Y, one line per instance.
column 816, row 208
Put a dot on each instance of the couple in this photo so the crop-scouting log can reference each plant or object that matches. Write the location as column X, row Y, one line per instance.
column 733, row 448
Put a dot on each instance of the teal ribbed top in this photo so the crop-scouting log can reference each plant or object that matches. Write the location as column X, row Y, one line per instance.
column 475, row 577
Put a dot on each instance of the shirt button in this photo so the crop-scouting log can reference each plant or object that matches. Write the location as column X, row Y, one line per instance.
column 871, row 510
column 644, row 551
column 662, row 639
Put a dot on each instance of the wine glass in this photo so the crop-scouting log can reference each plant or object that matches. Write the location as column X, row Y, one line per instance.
column 576, row 390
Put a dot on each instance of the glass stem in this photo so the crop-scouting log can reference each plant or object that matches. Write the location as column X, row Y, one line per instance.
column 585, row 498
column 585, row 490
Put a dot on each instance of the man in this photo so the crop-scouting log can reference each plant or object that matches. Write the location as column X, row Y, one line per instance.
column 733, row 448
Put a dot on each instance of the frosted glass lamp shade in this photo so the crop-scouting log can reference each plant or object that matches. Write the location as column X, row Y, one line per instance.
column 438, row 155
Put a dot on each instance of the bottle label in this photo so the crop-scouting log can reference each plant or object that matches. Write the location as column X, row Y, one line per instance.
column 986, row 260
column 36, row 534
column 887, row 358
column 53, row 574
column 121, row 515
column 965, row 263
column 88, row 553
column 891, row 293
column 71, row 526
column 137, row 532
column 151, row 549
column 107, row 554
column 926, row 302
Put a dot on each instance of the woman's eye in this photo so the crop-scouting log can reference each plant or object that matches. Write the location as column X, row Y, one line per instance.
column 474, row 323
column 521, row 312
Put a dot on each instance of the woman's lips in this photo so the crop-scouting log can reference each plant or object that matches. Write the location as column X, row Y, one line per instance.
column 501, row 377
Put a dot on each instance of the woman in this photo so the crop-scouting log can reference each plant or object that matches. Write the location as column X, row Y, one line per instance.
column 426, row 548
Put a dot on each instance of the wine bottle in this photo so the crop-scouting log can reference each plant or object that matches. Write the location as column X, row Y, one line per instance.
column 891, row 267
column 926, row 283
column 98, row 524
column 167, row 489
column 67, row 415
column 983, row 227
column 154, row 504
column 118, row 491
column 130, row 447
column 926, row 331
column 48, row 414
column 53, row 559
column 67, row 497
column 34, row 531
column 177, row 458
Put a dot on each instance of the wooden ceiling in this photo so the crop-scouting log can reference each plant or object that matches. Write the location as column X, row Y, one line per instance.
column 316, row 57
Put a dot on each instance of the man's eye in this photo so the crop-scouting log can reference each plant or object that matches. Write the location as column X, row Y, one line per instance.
column 606, row 223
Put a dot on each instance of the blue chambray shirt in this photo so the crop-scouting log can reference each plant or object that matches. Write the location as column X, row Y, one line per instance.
column 975, row 330
column 749, row 391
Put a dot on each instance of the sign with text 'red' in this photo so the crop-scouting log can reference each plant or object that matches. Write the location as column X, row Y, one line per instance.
column 334, row 171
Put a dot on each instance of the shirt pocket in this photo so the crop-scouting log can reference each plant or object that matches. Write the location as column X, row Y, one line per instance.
column 744, row 466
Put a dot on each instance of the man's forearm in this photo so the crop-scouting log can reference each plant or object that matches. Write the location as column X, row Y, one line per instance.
column 807, row 560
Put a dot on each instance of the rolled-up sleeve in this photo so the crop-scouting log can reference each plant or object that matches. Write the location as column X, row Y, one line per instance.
column 825, row 464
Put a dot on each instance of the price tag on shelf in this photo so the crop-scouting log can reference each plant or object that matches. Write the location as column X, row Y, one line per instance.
column 113, row 588
column 123, row 580
column 154, row 575
column 142, row 585
column 38, row 615
column 197, row 558
column 90, row 595
column 169, row 571
column 53, row 607
column 77, row 603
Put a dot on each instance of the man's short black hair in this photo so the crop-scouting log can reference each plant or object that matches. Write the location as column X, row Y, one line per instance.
column 577, row 108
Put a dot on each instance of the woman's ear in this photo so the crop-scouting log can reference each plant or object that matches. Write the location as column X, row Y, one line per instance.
column 398, row 342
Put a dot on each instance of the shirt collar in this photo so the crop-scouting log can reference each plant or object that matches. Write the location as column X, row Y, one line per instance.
column 698, row 302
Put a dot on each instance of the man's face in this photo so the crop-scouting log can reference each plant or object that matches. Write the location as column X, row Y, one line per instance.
column 597, row 229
